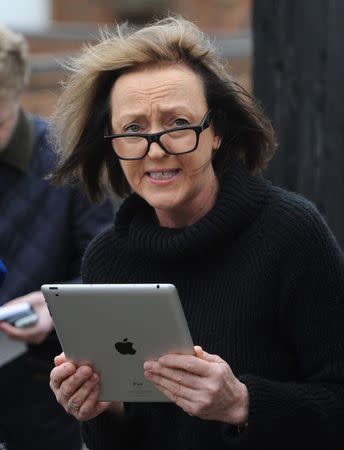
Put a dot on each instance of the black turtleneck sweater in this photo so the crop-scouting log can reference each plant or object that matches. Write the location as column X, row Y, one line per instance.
column 261, row 281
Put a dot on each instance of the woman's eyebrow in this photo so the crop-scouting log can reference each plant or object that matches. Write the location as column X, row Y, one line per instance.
column 140, row 114
column 176, row 109
column 130, row 115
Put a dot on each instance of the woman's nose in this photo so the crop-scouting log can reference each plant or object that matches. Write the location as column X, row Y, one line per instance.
column 155, row 151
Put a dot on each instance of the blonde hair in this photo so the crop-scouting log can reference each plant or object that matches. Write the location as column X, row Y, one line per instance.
column 82, row 110
column 14, row 68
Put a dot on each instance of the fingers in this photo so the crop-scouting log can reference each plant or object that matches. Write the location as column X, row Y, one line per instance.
column 15, row 300
column 61, row 373
column 83, row 400
column 184, row 397
column 193, row 364
column 6, row 327
column 184, row 403
column 198, row 351
column 17, row 334
column 197, row 364
column 174, row 390
column 60, row 359
column 154, row 370
column 75, row 382
column 202, row 384
column 75, row 388
column 91, row 407
column 211, row 358
column 33, row 334
column 35, row 297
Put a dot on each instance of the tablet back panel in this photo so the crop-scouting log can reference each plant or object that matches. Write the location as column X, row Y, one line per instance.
column 115, row 328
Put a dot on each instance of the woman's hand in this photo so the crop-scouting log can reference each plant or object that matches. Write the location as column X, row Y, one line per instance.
column 34, row 334
column 202, row 385
column 77, row 389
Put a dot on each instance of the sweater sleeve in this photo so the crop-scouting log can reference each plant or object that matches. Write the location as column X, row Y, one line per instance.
column 308, row 411
column 102, row 432
column 109, row 431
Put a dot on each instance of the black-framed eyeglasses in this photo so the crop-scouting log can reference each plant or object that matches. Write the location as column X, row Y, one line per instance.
column 174, row 141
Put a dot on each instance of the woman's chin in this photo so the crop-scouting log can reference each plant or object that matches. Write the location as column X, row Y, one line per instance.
column 164, row 201
column 161, row 206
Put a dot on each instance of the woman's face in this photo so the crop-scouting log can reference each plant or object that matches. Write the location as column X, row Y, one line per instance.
column 181, row 188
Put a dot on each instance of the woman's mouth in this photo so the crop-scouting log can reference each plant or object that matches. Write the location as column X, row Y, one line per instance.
column 163, row 175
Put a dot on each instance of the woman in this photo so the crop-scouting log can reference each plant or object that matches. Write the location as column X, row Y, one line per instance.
column 260, row 276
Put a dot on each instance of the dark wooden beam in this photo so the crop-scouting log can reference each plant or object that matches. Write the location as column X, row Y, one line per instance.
column 298, row 73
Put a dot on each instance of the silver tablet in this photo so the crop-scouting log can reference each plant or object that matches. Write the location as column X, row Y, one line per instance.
column 115, row 328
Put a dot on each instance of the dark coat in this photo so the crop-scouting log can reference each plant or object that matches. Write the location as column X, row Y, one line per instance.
column 44, row 231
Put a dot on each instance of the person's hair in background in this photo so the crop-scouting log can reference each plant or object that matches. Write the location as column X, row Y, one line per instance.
column 14, row 67
column 14, row 75
column 84, row 154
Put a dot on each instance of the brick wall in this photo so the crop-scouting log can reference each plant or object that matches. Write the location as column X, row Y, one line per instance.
column 77, row 21
column 218, row 15
column 222, row 15
column 83, row 10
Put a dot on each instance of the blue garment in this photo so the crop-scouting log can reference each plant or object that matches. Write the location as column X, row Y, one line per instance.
column 44, row 231
column 3, row 272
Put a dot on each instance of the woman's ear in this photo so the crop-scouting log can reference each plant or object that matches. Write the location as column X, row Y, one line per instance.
column 216, row 142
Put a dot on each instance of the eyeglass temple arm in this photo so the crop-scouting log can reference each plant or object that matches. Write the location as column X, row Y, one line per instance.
column 207, row 119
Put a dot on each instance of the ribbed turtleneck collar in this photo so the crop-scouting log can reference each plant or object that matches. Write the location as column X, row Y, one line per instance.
column 240, row 198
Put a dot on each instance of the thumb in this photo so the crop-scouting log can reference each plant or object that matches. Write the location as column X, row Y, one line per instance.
column 200, row 353
column 60, row 359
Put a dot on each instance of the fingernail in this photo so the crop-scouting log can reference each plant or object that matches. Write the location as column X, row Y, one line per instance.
column 94, row 378
column 147, row 365
column 84, row 371
column 67, row 368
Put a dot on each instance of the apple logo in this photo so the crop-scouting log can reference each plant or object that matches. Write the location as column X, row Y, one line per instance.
column 125, row 347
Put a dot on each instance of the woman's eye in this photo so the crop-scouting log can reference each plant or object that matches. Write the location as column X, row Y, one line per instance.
column 181, row 123
column 132, row 128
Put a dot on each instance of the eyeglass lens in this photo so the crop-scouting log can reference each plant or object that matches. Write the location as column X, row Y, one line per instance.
column 179, row 141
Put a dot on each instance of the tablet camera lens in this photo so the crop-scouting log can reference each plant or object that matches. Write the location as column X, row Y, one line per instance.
column 158, row 286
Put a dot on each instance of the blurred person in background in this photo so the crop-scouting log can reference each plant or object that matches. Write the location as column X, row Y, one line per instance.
column 44, row 231
column 259, row 273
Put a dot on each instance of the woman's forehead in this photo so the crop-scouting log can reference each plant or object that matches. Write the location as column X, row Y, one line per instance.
column 168, row 87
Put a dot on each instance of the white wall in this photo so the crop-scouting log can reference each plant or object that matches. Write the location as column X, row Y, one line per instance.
column 25, row 14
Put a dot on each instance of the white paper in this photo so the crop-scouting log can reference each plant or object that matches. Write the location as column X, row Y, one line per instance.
column 7, row 311
column 10, row 349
